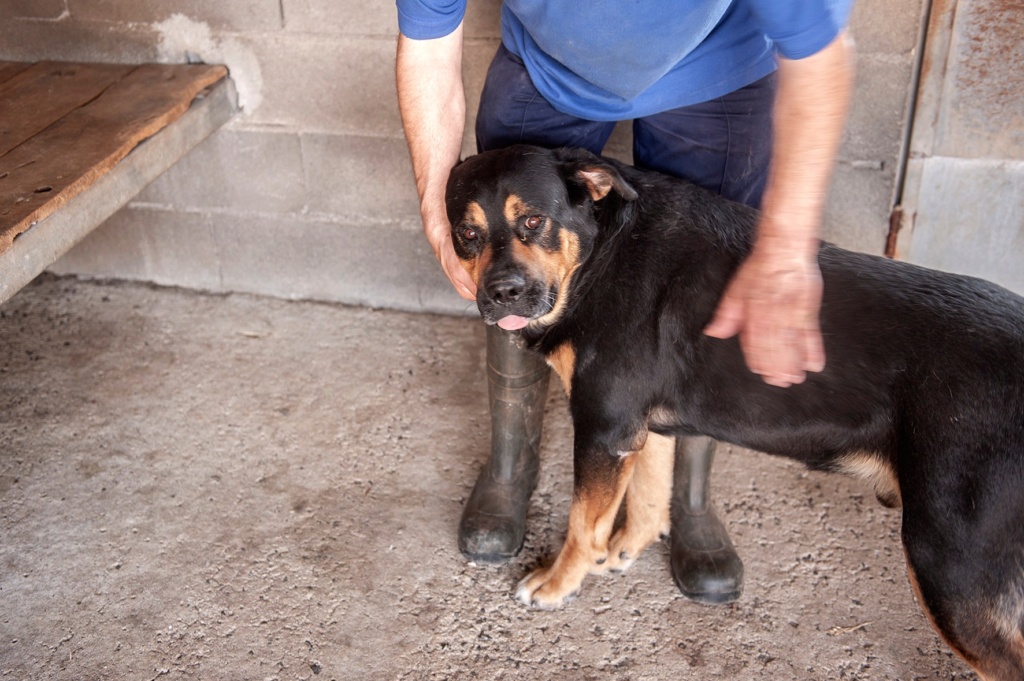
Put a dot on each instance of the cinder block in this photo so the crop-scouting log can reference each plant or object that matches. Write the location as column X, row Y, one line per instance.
column 327, row 84
column 356, row 264
column 360, row 177
column 349, row 17
column 234, row 15
column 255, row 171
column 858, row 208
column 28, row 40
column 288, row 257
column 170, row 248
column 341, row 17
column 874, row 128
column 34, row 9
column 342, row 85
column 883, row 26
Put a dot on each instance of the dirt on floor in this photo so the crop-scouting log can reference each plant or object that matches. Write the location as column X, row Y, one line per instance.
column 233, row 487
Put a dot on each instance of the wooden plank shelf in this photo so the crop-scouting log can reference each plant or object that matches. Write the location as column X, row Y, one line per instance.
column 78, row 141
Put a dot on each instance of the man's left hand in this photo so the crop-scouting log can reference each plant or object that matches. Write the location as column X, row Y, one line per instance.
column 773, row 303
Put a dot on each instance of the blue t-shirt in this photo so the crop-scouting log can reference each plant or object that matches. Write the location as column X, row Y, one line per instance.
column 609, row 60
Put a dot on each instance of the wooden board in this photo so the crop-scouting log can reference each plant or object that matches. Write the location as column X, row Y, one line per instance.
column 9, row 69
column 43, row 94
column 43, row 173
column 42, row 245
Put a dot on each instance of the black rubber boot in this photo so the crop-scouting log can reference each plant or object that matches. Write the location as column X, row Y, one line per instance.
column 494, row 520
column 705, row 565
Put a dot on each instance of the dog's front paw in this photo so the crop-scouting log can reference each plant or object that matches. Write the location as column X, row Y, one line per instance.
column 547, row 589
column 621, row 556
column 626, row 546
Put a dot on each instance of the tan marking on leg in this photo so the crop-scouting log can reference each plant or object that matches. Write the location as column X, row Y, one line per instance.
column 1007, row 618
column 924, row 607
column 878, row 472
column 995, row 655
column 591, row 518
column 648, row 500
column 563, row 361
column 1008, row 610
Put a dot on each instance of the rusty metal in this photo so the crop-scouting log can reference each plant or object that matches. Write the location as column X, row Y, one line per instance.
column 959, row 202
column 908, row 125
column 895, row 224
column 982, row 109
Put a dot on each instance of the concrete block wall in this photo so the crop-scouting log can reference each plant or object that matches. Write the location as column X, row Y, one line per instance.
column 962, row 204
column 308, row 192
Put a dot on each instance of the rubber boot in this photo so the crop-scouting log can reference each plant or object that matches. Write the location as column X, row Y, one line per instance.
column 705, row 565
column 494, row 520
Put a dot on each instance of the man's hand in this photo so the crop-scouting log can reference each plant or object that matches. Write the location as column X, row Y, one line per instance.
column 773, row 303
column 433, row 107
column 452, row 266
column 774, row 300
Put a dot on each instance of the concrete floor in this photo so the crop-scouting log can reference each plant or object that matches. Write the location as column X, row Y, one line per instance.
column 244, row 488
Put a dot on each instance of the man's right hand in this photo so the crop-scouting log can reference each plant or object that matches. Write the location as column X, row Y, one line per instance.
column 452, row 266
column 433, row 108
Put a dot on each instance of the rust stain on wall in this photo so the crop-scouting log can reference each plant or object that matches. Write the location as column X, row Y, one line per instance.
column 984, row 112
column 991, row 55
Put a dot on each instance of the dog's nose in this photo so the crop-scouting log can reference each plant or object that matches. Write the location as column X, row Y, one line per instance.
column 507, row 289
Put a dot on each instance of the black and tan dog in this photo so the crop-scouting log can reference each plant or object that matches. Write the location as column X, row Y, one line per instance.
column 613, row 272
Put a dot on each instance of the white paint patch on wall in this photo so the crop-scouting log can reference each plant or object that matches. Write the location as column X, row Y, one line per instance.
column 65, row 14
column 182, row 38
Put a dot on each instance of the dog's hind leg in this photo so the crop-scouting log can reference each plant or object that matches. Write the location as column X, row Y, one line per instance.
column 975, row 600
column 648, row 499
column 601, row 479
column 1003, row 634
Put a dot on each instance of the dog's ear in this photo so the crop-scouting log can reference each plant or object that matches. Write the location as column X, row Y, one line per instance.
column 594, row 174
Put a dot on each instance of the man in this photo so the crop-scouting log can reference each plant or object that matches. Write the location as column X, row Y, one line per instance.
column 744, row 97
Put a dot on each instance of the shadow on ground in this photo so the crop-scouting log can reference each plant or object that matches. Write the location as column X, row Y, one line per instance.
column 243, row 488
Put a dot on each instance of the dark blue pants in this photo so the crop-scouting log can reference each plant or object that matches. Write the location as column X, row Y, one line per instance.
column 723, row 145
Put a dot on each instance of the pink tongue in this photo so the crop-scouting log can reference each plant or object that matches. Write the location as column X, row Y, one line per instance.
column 513, row 322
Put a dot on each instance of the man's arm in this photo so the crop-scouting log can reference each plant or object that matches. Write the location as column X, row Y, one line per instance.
column 774, row 300
column 433, row 107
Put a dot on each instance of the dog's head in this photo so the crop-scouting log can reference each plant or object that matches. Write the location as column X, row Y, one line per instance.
column 523, row 221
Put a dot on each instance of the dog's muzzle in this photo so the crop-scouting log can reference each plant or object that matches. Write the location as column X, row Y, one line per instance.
column 511, row 301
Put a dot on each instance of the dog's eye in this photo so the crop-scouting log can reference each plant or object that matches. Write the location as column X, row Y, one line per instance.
column 534, row 221
column 469, row 234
